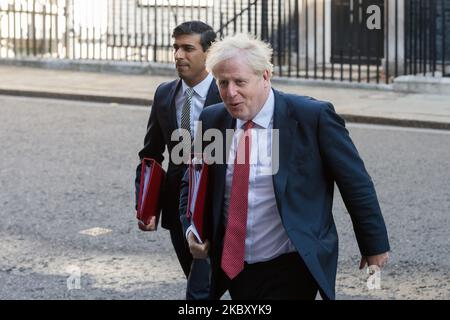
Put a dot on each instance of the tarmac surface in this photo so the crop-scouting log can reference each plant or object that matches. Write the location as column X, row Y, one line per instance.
column 67, row 197
column 67, row 188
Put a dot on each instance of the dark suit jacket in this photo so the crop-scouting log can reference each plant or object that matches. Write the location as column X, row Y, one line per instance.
column 161, row 124
column 315, row 151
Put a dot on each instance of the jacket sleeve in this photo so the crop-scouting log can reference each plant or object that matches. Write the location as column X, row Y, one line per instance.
column 355, row 185
column 184, row 193
column 154, row 143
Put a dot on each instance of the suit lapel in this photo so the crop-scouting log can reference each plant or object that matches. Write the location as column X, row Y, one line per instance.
column 172, row 107
column 213, row 96
column 286, row 126
column 220, row 171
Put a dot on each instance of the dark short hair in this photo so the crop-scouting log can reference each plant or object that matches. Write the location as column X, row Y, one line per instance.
column 206, row 32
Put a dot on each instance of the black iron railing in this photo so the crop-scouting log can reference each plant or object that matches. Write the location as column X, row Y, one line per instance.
column 341, row 40
column 427, row 44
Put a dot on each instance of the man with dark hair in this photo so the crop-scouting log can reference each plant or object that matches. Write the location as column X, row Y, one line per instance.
column 177, row 105
column 207, row 34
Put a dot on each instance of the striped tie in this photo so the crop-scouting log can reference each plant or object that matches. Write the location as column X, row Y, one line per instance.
column 186, row 111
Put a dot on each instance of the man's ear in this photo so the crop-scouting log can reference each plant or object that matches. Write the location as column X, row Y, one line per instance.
column 266, row 77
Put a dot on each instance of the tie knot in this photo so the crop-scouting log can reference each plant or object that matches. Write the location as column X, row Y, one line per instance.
column 248, row 125
column 189, row 91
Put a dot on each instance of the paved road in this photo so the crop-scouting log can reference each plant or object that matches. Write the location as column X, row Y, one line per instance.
column 69, row 166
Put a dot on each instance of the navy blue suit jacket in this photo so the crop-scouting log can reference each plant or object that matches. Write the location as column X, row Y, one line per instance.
column 161, row 124
column 315, row 152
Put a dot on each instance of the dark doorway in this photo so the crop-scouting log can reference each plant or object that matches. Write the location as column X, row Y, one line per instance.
column 352, row 41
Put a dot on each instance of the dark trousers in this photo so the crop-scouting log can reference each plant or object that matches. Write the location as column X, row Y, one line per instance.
column 198, row 284
column 197, row 271
column 285, row 277
column 181, row 249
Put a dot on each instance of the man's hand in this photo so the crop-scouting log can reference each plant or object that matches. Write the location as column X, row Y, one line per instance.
column 379, row 260
column 148, row 227
column 198, row 251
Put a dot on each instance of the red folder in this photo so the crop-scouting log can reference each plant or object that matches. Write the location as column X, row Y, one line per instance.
column 197, row 198
column 152, row 178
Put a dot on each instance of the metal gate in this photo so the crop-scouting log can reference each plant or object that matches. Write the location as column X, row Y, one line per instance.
column 313, row 39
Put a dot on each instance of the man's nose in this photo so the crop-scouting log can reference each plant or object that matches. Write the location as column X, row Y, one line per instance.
column 179, row 54
column 231, row 90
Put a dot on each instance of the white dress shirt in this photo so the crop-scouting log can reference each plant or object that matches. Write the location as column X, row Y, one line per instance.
column 198, row 100
column 266, row 237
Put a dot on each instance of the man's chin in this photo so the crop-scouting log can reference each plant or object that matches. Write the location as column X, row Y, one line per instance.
column 182, row 72
column 238, row 115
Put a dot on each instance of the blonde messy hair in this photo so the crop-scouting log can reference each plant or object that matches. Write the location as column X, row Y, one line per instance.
column 256, row 53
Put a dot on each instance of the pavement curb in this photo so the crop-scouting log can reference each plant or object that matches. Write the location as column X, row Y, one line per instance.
column 77, row 97
column 409, row 123
column 147, row 102
column 95, row 66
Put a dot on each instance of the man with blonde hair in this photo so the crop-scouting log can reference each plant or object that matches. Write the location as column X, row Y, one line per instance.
column 273, row 235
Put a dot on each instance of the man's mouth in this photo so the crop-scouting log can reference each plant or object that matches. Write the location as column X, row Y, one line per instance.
column 235, row 105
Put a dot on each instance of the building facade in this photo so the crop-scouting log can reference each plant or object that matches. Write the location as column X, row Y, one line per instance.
column 351, row 40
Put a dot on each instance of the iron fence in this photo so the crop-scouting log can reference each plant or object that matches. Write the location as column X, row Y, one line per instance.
column 341, row 40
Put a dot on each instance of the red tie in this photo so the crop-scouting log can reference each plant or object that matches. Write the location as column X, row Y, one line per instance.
column 234, row 243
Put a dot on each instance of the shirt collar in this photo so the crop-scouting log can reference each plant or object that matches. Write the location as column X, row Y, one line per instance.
column 202, row 88
column 264, row 116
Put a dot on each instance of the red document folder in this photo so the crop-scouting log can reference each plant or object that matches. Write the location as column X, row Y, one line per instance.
column 197, row 199
column 152, row 178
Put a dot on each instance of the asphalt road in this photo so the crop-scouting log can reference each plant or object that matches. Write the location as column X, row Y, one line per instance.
column 67, row 167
